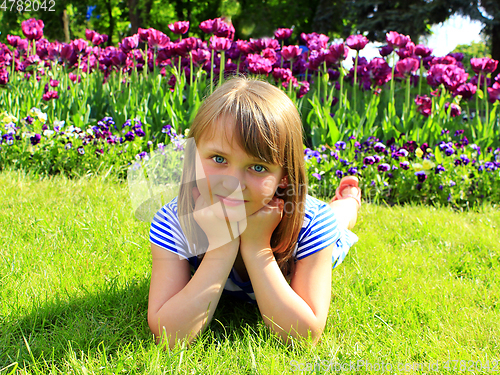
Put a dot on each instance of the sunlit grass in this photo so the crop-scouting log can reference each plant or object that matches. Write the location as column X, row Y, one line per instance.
column 421, row 285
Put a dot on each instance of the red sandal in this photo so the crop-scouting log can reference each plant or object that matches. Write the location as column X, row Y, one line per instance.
column 346, row 182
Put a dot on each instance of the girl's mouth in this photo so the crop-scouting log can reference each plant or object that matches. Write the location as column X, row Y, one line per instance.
column 230, row 202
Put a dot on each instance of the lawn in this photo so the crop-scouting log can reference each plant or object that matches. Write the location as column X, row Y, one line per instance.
column 421, row 287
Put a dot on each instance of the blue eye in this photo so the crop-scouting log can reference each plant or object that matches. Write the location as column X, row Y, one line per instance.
column 218, row 159
column 259, row 168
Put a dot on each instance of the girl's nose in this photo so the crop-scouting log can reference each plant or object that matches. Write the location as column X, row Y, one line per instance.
column 231, row 183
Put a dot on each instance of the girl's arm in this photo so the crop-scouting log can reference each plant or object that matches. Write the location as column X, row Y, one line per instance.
column 298, row 309
column 181, row 306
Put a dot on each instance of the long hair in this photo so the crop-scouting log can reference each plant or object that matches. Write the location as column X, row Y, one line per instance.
column 267, row 126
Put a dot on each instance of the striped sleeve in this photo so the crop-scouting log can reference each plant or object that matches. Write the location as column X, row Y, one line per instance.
column 166, row 231
column 321, row 231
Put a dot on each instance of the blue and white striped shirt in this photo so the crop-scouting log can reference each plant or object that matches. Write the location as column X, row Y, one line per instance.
column 319, row 230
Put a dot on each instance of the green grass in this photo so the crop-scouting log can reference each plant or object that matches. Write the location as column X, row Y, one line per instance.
column 421, row 285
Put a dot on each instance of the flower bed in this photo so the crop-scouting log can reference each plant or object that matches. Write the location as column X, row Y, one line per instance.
column 79, row 107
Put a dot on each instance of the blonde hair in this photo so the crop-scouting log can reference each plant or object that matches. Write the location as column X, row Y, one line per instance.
column 267, row 125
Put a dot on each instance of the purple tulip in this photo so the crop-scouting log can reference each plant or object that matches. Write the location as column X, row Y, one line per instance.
column 282, row 34
column 422, row 51
column 119, row 58
column 179, row 27
column 356, row 42
column 446, row 60
column 79, row 45
column 424, row 105
column 13, row 40
column 395, row 39
column 483, row 65
column 407, row 51
column 338, row 52
column 218, row 27
column 32, row 29
column 50, row 95
column 318, row 43
column 407, row 66
column 466, row 90
column 459, row 56
column 304, row 89
column 450, row 75
column 385, row 50
column 454, row 109
column 379, row 71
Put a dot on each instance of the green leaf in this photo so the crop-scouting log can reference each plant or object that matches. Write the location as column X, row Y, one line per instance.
column 480, row 93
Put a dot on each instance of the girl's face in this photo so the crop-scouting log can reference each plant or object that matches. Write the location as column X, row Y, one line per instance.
column 241, row 182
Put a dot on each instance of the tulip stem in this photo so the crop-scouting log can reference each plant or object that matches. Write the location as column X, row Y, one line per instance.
column 212, row 72
column 479, row 126
column 221, row 66
column 354, row 92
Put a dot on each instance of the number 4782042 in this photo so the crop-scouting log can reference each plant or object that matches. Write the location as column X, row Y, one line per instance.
column 28, row 5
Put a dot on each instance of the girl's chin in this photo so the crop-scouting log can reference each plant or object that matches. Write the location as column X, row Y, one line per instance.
column 235, row 213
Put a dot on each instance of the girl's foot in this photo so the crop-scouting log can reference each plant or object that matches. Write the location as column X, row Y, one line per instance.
column 348, row 188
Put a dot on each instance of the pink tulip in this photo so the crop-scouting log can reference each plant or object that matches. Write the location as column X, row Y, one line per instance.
column 179, row 27
column 143, row 34
column 356, row 42
column 338, row 52
column 13, row 40
column 79, row 45
column 407, row 51
column 129, row 43
column 395, row 39
column 304, row 89
column 259, row 65
column 32, row 29
column 281, row 74
column 4, row 76
column 53, row 82
column 494, row 92
column 407, row 66
column 263, row 43
column 290, row 52
column 282, row 34
column 483, row 65
column 200, row 56
column 220, row 44
column 157, row 39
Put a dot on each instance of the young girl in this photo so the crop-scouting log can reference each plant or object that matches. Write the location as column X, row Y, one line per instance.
column 243, row 221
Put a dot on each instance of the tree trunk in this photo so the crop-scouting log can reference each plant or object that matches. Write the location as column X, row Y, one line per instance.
column 111, row 28
column 495, row 46
column 133, row 13
column 65, row 20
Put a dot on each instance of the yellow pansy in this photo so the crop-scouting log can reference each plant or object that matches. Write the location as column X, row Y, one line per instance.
column 419, row 152
column 418, row 167
column 427, row 164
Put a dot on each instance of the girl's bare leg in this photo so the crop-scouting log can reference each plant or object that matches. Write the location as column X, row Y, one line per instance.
column 346, row 210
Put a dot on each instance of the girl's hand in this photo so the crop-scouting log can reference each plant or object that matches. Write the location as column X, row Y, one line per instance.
column 218, row 231
column 261, row 224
